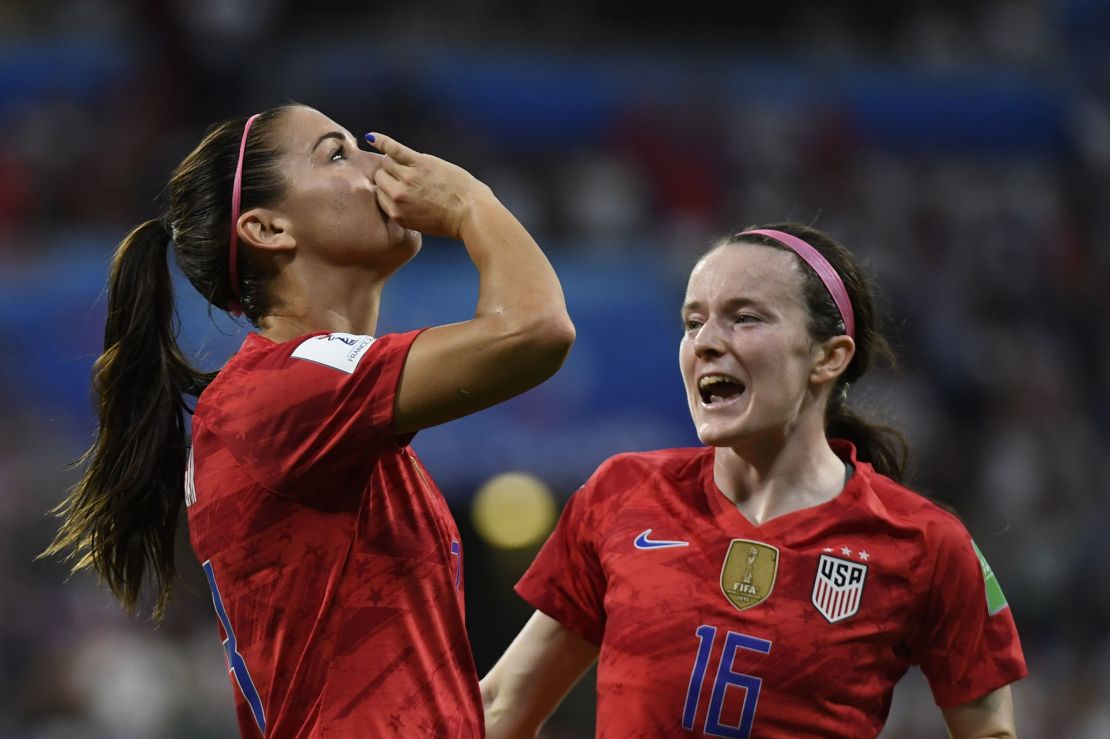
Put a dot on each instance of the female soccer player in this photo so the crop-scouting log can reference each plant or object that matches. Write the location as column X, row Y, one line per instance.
column 334, row 563
column 778, row 581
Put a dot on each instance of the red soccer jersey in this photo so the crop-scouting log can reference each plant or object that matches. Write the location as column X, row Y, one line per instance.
column 711, row 626
column 334, row 562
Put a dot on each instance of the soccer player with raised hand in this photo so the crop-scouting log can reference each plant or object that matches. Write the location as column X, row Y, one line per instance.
column 334, row 564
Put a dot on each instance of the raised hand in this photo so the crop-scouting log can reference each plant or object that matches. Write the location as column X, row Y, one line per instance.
column 423, row 192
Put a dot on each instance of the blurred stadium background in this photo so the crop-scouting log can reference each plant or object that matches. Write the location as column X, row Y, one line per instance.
column 963, row 148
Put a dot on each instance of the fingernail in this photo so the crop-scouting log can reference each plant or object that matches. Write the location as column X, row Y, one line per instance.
column 369, row 138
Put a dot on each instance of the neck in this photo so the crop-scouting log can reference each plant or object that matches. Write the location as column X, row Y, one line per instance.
column 342, row 300
column 770, row 479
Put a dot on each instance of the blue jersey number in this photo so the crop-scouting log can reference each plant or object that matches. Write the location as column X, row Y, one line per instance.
column 235, row 662
column 714, row 725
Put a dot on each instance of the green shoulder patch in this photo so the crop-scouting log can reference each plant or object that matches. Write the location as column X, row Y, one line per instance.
column 996, row 600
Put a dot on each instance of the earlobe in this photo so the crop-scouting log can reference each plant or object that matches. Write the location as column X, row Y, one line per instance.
column 264, row 229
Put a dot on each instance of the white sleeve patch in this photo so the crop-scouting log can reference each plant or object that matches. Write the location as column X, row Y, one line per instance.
column 340, row 351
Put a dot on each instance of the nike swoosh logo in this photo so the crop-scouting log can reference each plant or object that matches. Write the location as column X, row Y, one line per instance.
column 643, row 542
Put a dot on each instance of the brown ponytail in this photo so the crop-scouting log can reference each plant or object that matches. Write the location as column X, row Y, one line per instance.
column 884, row 447
column 121, row 517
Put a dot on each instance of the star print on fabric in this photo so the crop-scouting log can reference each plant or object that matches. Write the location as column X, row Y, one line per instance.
column 400, row 569
column 846, row 551
column 864, row 555
column 313, row 551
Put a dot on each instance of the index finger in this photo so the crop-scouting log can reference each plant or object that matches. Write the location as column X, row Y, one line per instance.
column 392, row 148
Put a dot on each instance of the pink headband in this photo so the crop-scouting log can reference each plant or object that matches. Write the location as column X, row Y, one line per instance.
column 821, row 266
column 236, row 194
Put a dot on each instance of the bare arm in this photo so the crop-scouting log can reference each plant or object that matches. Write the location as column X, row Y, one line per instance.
column 532, row 677
column 989, row 717
column 520, row 333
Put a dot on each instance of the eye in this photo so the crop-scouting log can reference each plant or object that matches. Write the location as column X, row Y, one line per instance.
column 691, row 324
column 339, row 153
column 747, row 318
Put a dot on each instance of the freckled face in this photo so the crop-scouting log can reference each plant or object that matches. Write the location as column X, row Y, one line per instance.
column 331, row 197
column 746, row 355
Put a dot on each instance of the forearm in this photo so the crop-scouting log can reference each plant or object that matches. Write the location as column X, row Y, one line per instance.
column 531, row 678
column 988, row 717
column 516, row 281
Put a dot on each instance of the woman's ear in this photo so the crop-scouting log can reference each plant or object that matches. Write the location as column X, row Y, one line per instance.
column 266, row 229
column 833, row 357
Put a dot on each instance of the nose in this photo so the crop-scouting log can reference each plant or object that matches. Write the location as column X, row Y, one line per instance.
column 368, row 161
column 708, row 341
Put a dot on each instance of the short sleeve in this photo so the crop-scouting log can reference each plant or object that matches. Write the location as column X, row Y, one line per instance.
column 971, row 644
column 566, row 581
column 309, row 417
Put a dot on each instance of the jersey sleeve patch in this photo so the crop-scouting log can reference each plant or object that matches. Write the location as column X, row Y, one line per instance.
column 338, row 351
column 996, row 601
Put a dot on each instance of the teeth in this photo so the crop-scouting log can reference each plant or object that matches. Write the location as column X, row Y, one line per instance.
column 709, row 380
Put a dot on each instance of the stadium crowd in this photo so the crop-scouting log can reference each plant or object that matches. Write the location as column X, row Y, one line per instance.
column 962, row 149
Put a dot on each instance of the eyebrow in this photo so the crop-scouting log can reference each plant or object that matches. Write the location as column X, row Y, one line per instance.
column 329, row 135
column 730, row 304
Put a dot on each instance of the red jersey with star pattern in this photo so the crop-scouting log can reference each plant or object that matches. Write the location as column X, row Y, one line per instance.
column 334, row 563
column 711, row 626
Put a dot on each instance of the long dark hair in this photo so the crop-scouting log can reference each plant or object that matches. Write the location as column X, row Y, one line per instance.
column 883, row 446
column 120, row 518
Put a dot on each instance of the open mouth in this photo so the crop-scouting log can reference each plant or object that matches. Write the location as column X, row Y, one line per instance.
column 719, row 390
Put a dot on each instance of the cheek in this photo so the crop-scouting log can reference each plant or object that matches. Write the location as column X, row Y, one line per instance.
column 343, row 203
column 340, row 194
column 685, row 359
column 326, row 208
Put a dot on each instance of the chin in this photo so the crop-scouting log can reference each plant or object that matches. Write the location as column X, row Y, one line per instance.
column 714, row 435
column 401, row 237
column 404, row 244
column 730, row 432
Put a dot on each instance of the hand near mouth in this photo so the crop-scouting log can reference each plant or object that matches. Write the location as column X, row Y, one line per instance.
column 423, row 192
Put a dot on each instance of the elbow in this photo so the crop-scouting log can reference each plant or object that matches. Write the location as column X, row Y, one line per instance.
column 555, row 340
column 558, row 335
column 500, row 719
column 544, row 343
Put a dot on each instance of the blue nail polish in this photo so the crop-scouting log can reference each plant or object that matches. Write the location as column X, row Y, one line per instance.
column 369, row 138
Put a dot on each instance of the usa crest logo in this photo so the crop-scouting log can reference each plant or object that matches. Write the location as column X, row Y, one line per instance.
column 838, row 587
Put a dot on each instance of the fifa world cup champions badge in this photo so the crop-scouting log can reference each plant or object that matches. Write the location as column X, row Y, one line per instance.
column 748, row 573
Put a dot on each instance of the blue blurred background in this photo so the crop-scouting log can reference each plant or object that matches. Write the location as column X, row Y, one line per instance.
column 961, row 148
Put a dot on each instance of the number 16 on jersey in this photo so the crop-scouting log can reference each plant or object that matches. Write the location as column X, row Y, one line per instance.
column 714, row 721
